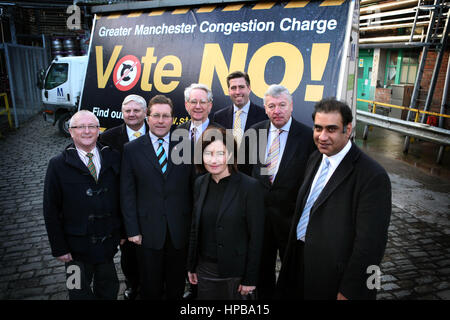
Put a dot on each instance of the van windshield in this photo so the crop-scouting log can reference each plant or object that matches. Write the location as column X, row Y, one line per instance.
column 56, row 76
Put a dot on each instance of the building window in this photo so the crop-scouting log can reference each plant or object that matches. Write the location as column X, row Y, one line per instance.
column 401, row 67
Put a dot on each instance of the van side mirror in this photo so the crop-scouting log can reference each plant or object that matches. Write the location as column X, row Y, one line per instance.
column 40, row 79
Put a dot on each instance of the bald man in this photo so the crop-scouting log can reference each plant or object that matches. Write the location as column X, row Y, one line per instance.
column 81, row 211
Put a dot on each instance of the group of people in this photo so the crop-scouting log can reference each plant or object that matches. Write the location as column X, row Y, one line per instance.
column 216, row 225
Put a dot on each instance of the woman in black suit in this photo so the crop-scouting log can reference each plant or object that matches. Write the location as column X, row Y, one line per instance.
column 228, row 223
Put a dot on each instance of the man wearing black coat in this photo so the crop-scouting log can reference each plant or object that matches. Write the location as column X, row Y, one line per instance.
column 294, row 144
column 339, row 231
column 134, row 111
column 242, row 114
column 81, row 210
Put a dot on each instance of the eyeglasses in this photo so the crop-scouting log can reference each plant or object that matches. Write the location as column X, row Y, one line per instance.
column 91, row 127
column 282, row 106
column 165, row 116
column 202, row 103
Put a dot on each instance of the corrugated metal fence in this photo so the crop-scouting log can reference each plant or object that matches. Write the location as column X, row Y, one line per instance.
column 24, row 63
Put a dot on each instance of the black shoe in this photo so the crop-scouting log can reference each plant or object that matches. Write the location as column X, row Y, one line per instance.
column 130, row 293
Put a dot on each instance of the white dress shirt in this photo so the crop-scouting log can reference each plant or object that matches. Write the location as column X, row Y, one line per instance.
column 334, row 163
column 131, row 132
column 95, row 159
column 283, row 139
column 155, row 142
column 198, row 129
column 243, row 116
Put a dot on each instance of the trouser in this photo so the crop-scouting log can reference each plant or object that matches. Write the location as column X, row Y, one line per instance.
column 300, row 275
column 103, row 276
column 162, row 271
column 272, row 245
column 211, row 286
column 129, row 264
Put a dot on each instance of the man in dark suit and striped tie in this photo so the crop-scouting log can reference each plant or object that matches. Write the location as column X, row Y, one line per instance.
column 156, row 201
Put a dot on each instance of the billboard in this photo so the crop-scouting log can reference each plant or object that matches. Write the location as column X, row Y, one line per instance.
column 299, row 44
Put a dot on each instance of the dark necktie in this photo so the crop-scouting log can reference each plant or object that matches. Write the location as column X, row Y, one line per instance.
column 91, row 165
column 193, row 134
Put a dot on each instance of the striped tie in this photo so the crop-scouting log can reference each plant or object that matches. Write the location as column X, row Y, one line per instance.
column 320, row 183
column 161, row 155
column 237, row 128
column 193, row 133
column 91, row 166
column 272, row 156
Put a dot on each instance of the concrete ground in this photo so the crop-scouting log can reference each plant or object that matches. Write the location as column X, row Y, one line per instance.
column 416, row 263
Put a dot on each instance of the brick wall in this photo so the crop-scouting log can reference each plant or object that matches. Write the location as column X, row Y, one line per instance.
column 426, row 80
column 383, row 95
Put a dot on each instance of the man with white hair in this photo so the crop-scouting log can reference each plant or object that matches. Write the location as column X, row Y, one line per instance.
column 81, row 210
column 198, row 103
column 134, row 111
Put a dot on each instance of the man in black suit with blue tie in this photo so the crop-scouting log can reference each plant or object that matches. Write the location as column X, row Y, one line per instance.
column 134, row 111
column 156, row 201
column 242, row 114
column 288, row 146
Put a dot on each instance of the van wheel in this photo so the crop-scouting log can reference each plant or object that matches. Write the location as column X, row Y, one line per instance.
column 63, row 124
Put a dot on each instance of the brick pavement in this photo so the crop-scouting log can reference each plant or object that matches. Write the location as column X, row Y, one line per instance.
column 416, row 264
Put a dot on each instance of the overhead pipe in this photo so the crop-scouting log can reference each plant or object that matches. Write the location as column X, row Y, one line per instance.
column 388, row 6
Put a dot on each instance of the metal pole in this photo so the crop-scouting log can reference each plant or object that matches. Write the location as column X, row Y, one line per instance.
column 11, row 84
column 415, row 21
column 443, row 107
column 437, row 66
column 445, row 94
column 415, row 93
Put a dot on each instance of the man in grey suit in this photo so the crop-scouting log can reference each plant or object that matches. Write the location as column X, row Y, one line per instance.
column 339, row 231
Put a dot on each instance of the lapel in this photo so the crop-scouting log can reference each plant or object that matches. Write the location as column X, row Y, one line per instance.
column 309, row 177
column 104, row 162
column 202, row 195
column 289, row 149
column 74, row 160
column 149, row 151
column 344, row 169
column 230, row 192
column 170, row 165
column 124, row 135
column 264, row 179
column 251, row 115
column 230, row 115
